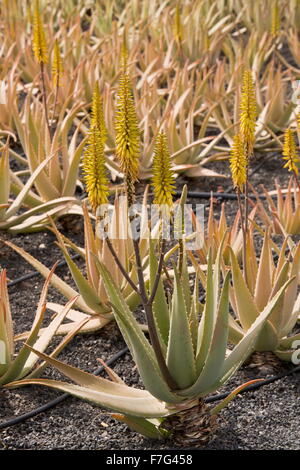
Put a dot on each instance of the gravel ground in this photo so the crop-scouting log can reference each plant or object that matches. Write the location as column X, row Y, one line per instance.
column 266, row 419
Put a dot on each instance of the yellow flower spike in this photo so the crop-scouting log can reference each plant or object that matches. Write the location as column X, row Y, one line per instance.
column 177, row 25
column 248, row 112
column 95, row 174
column 238, row 163
column 290, row 151
column 127, row 135
column 39, row 41
column 57, row 65
column 298, row 121
column 163, row 178
column 97, row 119
column 275, row 21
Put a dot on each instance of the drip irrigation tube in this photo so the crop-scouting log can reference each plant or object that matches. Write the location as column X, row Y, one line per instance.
column 111, row 361
column 37, row 273
column 217, row 195
column 254, row 386
column 56, row 401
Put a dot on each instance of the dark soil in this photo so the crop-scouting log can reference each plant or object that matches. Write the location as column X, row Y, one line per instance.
column 268, row 418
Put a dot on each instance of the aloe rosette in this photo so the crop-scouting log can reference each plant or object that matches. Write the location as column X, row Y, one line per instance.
column 15, row 366
column 194, row 350
column 265, row 280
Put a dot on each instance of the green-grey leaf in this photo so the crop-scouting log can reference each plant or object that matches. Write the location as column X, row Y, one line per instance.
column 180, row 354
column 140, row 348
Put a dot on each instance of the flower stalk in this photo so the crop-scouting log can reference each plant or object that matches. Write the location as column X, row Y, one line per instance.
column 40, row 51
column 248, row 113
column 238, row 167
column 57, row 71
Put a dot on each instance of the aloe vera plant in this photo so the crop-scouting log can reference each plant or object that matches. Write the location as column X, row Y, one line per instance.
column 33, row 217
column 193, row 352
column 212, row 235
column 16, row 366
column 282, row 216
column 264, row 281
column 57, row 179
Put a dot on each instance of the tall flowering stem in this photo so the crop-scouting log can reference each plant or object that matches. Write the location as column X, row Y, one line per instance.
column 248, row 113
column 128, row 153
column 163, row 182
column 39, row 47
column 238, row 167
column 290, row 154
column 57, row 71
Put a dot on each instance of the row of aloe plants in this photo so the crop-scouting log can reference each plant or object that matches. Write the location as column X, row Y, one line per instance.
column 189, row 346
column 199, row 98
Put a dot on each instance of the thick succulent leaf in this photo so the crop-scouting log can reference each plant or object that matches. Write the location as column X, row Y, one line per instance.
column 140, row 348
column 231, row 396
column 195, row 309
column 6, row 327
column 263, row 285
column 17, row 366
column 58, row 283
column 87, row 292
column 246, row 345
column 281, row 258
column 28, row 221
column 43, row 342
column 4, row 177
column 143, row 406
column 72, row 173
column 294, row 317
column 15, row 206
column 143, row 426
column 180, row 353
column 206, row 325
column 285, row 355
column 268, row 338
column 288, row 320
column 42, row 181
column 86, row 379
column 160, row 304
column 287, row 343
column 76, row 327
column 185, row 282
column 90, row 323
column 247, row 311
column 282, row 277
column 117, row 396
column 217, row 350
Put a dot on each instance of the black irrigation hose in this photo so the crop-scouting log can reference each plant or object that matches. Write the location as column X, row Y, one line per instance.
column 217, row 195
column 37, row 273
column 56, row 401
column 254, row 386
column 214, row 398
